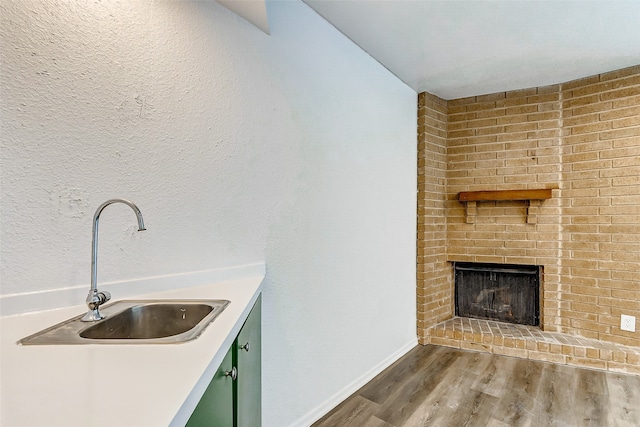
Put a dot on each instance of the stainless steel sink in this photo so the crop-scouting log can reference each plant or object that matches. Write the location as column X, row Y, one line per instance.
column 136, row 322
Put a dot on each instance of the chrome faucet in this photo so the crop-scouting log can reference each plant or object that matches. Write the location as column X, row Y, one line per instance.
column 96, row 298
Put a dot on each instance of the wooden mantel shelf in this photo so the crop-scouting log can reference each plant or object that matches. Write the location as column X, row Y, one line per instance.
column 533, row 197
column 477, row 196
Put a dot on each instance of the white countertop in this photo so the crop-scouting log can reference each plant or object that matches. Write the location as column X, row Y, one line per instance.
column 115, row 385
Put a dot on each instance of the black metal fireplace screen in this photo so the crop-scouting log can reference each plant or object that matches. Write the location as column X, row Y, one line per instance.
column 503, row 292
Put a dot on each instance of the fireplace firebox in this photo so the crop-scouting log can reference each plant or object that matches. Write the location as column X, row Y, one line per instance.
column 502, row 292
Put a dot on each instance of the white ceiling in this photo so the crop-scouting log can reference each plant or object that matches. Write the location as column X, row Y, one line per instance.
column 460, row 48
column 254, row 11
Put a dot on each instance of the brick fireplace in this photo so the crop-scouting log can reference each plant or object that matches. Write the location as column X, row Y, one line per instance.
column 580, row 141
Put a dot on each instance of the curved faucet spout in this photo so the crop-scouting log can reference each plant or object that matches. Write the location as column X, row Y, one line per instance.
column 95, row 298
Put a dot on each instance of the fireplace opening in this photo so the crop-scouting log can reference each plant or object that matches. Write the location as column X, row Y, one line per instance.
column 503, row 292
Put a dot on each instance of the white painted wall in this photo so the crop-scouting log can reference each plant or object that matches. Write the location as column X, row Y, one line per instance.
column 295, row 148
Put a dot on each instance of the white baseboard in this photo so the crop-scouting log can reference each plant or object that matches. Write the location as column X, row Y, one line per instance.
column 75, row 295
column 322, row 409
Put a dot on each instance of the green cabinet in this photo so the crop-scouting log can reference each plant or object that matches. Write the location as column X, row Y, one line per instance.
column 249, row 363
column 215, row 408
column 234, row 396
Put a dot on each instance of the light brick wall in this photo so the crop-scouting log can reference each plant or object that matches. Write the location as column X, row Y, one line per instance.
column 435, row 302
column 601, row 204
column 581, row 138
column 503, row 141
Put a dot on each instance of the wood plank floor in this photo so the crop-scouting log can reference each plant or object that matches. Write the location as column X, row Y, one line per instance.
column 448, row 387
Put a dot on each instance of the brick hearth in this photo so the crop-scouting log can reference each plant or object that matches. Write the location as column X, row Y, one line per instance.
column 529, row 342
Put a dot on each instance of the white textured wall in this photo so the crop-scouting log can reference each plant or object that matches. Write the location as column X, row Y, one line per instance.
column 295, row 148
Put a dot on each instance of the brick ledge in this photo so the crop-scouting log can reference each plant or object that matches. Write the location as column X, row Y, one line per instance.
column 532, row 343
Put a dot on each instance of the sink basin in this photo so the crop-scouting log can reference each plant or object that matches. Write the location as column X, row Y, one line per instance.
column 136, row 322
column 148, row 321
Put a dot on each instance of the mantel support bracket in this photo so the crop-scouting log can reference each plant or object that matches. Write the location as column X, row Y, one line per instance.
column 472, row 210
column 533, row 209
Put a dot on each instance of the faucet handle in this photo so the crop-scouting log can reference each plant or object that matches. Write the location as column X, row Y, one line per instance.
column 94, row 301
column 104, row 296
column 97, row 298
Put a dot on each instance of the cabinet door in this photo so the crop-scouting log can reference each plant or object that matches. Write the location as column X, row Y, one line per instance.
column 215, row 408
column 249, row 383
